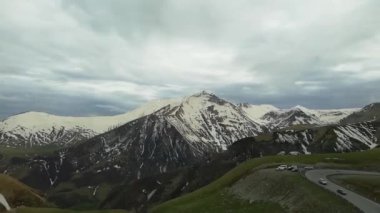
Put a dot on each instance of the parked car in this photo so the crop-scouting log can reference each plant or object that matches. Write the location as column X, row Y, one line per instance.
column 281, row 167
column 308, row 167
column 293, row 168
column 322, row 181
column 341, row 191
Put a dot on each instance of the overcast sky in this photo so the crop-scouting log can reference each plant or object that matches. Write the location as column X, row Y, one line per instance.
column 85, row 57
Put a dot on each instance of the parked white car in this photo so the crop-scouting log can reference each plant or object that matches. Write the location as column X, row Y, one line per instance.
column 281, row 167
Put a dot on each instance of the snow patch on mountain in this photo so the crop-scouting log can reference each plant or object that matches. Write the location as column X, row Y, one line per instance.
column 38, row 128
column 343, row 138
column 31, row 122
column 256, row 112
column 282, row 118
column 361, row 133
column 202, row 117
column 206, row 119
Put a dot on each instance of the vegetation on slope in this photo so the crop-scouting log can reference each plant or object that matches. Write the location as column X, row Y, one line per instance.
column 18, row 158
column 367, row 160
column 289, row 189
column 52, row 210
column 18, row 194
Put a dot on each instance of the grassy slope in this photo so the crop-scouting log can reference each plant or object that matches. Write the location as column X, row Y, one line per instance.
column 367, row 160
column 18, row 193
column 222, row 201
column 289, row 189
column 51, row 210
column 79, row 197
column 9, row 152
column 366, row 185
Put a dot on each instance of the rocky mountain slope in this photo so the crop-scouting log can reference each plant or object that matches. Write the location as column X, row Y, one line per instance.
column 368, row 113
column 168, row 138
column 334, row 138
column 161, row 187
column 38, row 128
column 174, row 136
column 211, row 120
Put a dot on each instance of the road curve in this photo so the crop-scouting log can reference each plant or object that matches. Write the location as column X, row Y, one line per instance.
column 364, row 204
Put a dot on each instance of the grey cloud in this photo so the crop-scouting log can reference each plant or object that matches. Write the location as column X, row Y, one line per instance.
column 108, row 56
column 331, row 98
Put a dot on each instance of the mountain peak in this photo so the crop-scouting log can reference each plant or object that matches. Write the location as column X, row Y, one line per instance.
column 300, row 108
column 203, row 93
column 205, row 97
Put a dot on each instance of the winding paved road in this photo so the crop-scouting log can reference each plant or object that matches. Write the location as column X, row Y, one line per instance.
column 364, row 204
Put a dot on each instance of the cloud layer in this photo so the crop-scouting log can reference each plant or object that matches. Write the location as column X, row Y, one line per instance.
column 80, row 57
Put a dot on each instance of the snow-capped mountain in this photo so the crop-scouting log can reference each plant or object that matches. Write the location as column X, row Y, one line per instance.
column 298, row 115
column 200, row 117
column 370, row 112
column 334, row 138
column 173, row 136
column 321, row 139
column 145, row 146
column 199, row 125
column 167, row 136
column 177, row 135
column 256, row 112
column 38, row 128
column 208, row 119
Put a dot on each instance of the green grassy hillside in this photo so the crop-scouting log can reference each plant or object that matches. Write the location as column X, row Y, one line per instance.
column 52, row 210
column 290, row 190
column 18, row 194
column 216, row 191
column 27, row 200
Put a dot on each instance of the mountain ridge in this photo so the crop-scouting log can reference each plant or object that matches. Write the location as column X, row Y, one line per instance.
column 40, row 128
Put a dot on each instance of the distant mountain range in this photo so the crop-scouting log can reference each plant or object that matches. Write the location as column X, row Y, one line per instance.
column 39, row 128
column 202, row 117
column 274, row 118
